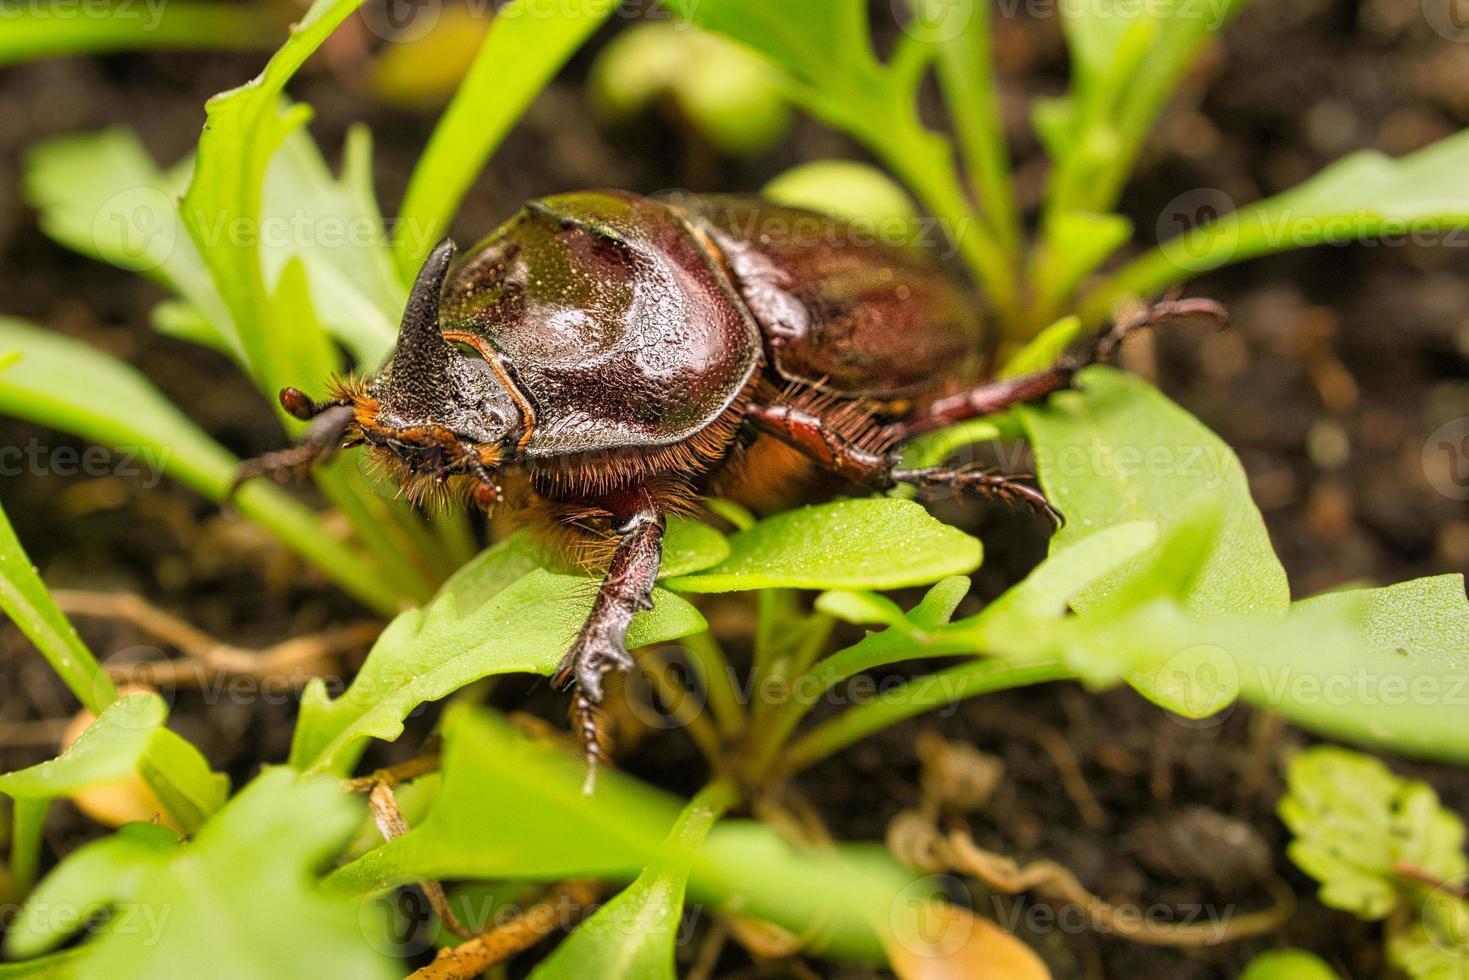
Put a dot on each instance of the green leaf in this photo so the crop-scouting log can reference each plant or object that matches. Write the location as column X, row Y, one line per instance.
column 268, row 272
column 1288, row 964
column 522, row 50
column 1354, row 822
column 691, row 546
column 41, row 31
column 1117, row 452
column 90, row 880
column 24, row 599
column 428, row 653
column 1043, row 595
column 1022, row 629
column 222, row 209
column 1363, row 196
column 127, row 738
column 70, row 386
column 863, row 608
column 513, row 806
column 1043, row 351
column 1399, row 685
column 688, row 546
column 825, row 53
column 843, row 188
column 175, row 771
column 102, row 195
column 933, row 448
column 966, row 74
column 848, row 544
column 1354, row 665
column 107, row 751
column 730, row 97
column 343, row 244
column 1127, row 60
column 913, row 635
column 242, row 897
column 1075, row 244
column 1069, row 571
column 632, row 937
column 60, row 966
column 1436, row 945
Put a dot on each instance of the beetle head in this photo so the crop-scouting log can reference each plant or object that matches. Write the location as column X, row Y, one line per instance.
column 439, row 408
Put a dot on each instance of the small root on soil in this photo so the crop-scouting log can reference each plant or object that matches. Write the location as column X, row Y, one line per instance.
column 207, row 656
column 916, row 840
column 470, row 959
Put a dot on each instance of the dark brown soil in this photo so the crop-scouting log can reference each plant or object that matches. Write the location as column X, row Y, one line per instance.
column 1339, row 364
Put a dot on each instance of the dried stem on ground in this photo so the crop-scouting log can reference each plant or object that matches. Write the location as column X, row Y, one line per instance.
column 472, row 958
column 207, row 656
column 917, row 840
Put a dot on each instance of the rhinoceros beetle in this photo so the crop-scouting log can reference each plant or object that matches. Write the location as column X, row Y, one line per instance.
column 615, row 357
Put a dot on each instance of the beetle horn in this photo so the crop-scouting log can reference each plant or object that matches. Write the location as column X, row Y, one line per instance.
column 421, row 362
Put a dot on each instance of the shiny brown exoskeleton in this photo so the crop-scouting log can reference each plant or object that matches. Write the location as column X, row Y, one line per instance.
column 614, row 357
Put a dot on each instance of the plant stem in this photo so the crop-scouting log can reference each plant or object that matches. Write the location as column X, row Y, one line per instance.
column 774, row 721
column 25, row 845
column 925, row 162
column 775, row 608
column 685, row 711
column 914, row 698
column 966, row 76
column 454, row 529
column 300, row 529
column 380, row 531
column 25, row 599
column 520, row 53
column 44, row 32
column 718, row 680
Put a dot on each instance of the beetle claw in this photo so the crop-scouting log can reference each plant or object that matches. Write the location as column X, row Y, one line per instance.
column 587, row 662
column 980, row 479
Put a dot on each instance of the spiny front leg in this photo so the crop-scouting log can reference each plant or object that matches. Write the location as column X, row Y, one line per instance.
column 601, row 644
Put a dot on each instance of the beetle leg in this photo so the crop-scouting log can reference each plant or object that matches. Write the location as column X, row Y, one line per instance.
column 816, row 439
column 998, row 396
column 810, row 433
column 329, row 425
column 979, row 479
column 601, row 644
